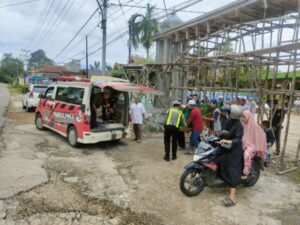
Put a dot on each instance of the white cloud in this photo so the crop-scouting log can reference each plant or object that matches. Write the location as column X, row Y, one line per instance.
column 18, row 27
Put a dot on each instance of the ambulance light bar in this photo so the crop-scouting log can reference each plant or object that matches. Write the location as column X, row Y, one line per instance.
column 77, row 79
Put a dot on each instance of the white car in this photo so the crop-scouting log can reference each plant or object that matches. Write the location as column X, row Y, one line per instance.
column 31, row 99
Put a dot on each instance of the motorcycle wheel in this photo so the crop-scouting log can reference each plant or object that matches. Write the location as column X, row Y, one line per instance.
column 191, row 182
column 253, row 175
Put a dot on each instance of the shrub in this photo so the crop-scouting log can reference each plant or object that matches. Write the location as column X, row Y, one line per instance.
column 23, row 88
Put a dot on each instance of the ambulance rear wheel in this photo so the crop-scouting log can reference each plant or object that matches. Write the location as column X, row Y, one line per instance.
column 72, row 136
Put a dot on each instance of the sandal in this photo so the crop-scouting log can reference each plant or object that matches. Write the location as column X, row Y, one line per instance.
column 244, row 177
column 228, row 202
column 189, row 152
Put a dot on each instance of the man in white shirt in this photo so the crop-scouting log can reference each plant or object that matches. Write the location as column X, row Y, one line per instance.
column 243, row 104
column 137, row 113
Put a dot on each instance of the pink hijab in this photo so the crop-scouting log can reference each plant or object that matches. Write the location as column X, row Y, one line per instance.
column 254, row 135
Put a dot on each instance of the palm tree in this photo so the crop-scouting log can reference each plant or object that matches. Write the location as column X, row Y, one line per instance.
column 143, row 27
column 96, row 66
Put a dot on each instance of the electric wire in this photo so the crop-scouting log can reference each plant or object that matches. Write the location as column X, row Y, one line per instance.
column 82, row 27
column 51, row 21
column 42, row 14
column 40, row 30
column 109, row 35
column 49, row 33
column 59, row 22
column 17, row 4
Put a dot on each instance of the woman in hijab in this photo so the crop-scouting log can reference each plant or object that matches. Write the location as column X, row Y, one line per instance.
column 230, row 162
column 254, row 141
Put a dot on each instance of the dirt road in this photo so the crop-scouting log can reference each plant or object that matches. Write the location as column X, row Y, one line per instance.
column 44, row 181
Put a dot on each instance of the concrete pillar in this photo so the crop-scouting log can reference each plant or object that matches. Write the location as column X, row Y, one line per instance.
column 179, row 76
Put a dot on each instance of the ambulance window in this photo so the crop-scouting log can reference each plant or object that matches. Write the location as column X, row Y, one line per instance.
column 75, row 95
column 61, row 94
column 49, row 93
column 70, row 95
column 121, row 99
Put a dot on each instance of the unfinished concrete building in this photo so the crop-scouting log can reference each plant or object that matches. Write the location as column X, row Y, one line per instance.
column 263, row 36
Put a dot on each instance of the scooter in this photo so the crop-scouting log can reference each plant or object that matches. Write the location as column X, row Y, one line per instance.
column 204, row 172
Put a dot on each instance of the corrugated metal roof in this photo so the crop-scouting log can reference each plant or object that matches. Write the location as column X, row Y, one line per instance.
column 234, row 13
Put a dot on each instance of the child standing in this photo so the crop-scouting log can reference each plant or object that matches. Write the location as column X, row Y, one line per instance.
column 270, row 139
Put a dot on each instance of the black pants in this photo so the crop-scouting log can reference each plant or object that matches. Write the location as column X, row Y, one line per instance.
column 137, row 128
column 93, row 119
column 277, row 132
column 181, row 139
column 171, row 132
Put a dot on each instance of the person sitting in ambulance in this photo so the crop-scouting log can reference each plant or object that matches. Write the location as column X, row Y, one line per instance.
column 107, row 107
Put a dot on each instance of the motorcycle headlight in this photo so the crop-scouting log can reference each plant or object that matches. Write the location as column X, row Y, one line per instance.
column 196, row 158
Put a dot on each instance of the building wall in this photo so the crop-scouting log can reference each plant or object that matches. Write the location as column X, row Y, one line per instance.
column 73, row 66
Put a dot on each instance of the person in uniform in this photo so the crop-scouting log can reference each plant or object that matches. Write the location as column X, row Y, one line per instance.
column 182, row 129
column 174, row 118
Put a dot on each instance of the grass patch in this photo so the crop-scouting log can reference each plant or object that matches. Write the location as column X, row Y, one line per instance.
column 295, row 176
column 14, row 90
column 20, row 89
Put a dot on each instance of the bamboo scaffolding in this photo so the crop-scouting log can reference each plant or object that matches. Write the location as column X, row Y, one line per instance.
column 261, row 59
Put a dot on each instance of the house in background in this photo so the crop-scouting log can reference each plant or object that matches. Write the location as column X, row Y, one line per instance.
column 49, row 73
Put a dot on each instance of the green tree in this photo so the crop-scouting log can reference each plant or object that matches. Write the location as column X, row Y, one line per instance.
column 143, row 28
column 39, row 59
column 96, row 66
column 10, row 68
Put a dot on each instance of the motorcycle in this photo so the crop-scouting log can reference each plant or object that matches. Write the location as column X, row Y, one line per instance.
column 204, row 172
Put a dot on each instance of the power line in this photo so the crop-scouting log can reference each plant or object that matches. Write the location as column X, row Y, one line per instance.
column 43, row 23
column 82, row 39
column 165, row 8
column 122, row 9
column 108, row 43
column 124, row 29
column 189, row 3
column 72, row 19
column 17, row 4
column 77, row 11
column 162, row 9
column 83, row 26
column 176, row 8
column 111, row 20
column 57, row 20
column 44, row 34
column 41, row 16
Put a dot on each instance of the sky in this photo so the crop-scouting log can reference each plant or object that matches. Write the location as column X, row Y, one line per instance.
column 35, row 25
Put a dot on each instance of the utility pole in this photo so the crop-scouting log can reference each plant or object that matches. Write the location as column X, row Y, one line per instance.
column 86, row 57
column 103, row 9
column 25, row 56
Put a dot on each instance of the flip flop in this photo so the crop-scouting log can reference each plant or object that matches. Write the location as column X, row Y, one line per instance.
column 228, row 202
column 244, row 177
column 189, row 153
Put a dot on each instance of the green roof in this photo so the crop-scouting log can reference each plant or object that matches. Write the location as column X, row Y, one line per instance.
column 282, row 75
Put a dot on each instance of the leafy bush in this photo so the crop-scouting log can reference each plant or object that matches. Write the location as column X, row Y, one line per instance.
column 23, row 88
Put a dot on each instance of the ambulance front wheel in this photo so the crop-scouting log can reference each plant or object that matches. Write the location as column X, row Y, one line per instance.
column 39, row 122
column 73, row 136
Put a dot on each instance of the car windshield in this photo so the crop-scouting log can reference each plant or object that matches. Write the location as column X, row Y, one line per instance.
column 39, row 89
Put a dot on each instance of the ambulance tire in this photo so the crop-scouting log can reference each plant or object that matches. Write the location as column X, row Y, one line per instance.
column 39, row 122
column 72, row 136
